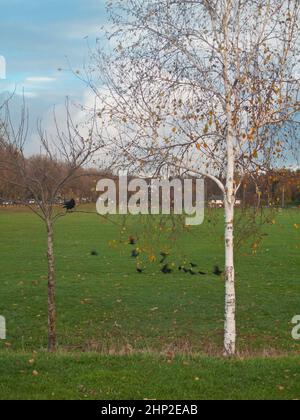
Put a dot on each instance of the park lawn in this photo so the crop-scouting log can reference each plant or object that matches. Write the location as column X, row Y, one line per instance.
column 105, row 305
column 116, row 327
column 137, row 377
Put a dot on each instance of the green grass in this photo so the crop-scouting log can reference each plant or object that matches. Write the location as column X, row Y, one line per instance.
column 104, row 306
column 91, row 376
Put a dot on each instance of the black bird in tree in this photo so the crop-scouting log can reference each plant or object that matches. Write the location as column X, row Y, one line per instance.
column 217, row 271
column 70, row 205
column 166, row 269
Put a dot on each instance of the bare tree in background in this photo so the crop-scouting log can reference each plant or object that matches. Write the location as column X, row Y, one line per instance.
column 206, row 87
column 43, row 178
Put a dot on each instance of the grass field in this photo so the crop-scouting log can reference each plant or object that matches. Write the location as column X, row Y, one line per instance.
column 129, row 325
column 138, row 377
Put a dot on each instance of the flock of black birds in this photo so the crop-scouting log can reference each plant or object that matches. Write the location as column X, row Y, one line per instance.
column 192, row 268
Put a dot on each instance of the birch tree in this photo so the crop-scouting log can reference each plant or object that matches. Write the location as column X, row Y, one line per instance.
column 44, row 176
column 205, row 87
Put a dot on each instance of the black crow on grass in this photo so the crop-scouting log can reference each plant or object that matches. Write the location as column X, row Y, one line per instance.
column 94, row 253
column 217, row 271
column 70, row 205
column 166, row 269
column 135, row 253
column 131, row 240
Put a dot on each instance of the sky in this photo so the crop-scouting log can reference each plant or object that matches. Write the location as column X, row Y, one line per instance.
column 38, row 38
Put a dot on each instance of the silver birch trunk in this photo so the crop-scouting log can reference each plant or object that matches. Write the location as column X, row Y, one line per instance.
column 230, row 295
column 229, row 201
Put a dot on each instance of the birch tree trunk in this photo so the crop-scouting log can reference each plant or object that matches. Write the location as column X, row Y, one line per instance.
column 230, row 297
column 51, row 290
column 229, row 199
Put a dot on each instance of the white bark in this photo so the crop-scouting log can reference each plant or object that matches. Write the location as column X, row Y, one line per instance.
column 230, row 297
column 229, row 200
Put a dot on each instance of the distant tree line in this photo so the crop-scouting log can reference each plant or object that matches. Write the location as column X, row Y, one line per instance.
column 279, row 187
column 276, row 188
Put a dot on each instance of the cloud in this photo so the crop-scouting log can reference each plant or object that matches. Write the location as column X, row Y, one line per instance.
column 57, row 31
column 38, row 79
